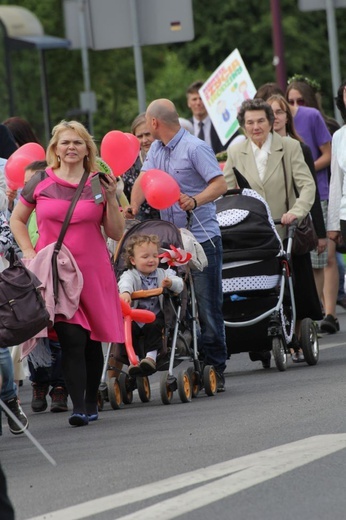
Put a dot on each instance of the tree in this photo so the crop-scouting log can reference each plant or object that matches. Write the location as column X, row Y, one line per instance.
column 220, row 27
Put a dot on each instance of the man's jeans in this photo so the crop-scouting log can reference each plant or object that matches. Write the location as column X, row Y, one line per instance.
column 9, row 388
column 208, row 289
column 48, row 375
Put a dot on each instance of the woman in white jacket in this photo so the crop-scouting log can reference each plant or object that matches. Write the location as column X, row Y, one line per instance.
column 336, row 226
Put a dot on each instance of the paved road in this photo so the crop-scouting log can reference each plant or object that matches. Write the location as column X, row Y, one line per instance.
column 273, row 446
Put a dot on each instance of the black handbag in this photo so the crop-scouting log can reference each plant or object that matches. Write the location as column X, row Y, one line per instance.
column 305, row 238
column 23, row 312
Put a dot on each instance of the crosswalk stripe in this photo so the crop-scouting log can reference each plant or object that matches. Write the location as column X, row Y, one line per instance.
column 212, row 483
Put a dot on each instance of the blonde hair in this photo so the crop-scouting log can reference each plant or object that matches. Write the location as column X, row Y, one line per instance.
column 139, row 120
column 138, row 240
column 89, row 162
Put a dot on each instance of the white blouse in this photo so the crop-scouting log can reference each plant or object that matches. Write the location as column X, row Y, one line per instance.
column 337, row 187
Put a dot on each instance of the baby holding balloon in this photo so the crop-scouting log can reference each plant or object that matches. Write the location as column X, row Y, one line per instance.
column 142, row 260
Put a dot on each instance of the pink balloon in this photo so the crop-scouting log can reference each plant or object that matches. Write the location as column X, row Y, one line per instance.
column 19, row 160
column 119, row 151
column 160, row 189
column 134, row 142
column 33, row 150
column 15, row 170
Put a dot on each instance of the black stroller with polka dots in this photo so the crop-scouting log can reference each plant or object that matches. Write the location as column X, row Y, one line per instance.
column 258, row 296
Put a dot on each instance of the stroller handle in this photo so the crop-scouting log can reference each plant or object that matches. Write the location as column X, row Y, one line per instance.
column 149, row 293
column 291, row 227
column 235, row 191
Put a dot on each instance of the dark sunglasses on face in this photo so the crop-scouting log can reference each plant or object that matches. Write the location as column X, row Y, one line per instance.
column 300, row 102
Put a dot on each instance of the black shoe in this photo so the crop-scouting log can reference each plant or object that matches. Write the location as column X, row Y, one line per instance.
column 264, row 356
column 16, row 409
column 39, row 401
column 266, row 359
column 79, row 419
column 220, row 383
column 330, row 324
column 59, row 399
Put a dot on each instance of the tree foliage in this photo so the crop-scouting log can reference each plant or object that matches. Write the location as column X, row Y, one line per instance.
column 220, row 27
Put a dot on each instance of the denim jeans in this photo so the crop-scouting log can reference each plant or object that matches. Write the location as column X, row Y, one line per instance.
column 51, row 375
column 341, row 270
column 208, row 289
column 9, row 388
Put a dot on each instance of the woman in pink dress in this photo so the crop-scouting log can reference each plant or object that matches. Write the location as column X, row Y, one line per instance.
column 98, row 319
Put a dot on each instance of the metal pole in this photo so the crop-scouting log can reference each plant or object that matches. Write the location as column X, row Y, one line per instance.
column 85, row 60
column 333, row 54
column 8, row 68
column 137, row 51
column 45, row 98
column 279, row 56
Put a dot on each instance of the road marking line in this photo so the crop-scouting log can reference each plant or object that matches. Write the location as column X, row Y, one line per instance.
column 228, row 478
column 340, row 343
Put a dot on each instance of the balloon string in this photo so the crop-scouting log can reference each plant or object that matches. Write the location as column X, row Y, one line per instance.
column 205, row 231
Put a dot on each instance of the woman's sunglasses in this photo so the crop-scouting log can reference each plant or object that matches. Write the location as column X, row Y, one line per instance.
column 300, row 102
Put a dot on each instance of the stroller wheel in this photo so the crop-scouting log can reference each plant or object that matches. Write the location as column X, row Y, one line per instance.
column 209, row 380
column 125, row 388
column 143, row 387
column 194, row 381
column 279, row 354
column 184, row 386
column 309, row 341
column 166, row 389
column 114, row 393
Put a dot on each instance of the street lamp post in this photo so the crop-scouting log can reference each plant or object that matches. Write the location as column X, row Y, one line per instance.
column 278, row 45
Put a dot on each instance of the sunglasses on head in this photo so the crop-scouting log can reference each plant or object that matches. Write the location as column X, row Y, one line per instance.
column 299, row 101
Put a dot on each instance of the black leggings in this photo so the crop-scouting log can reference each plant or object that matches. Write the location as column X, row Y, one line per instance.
column 82, row 364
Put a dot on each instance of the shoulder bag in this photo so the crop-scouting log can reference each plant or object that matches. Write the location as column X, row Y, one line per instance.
column 23, row 312
column 305, row 238
column 61, row 236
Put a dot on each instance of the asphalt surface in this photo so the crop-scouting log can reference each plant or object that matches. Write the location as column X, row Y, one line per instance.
column 273, row 446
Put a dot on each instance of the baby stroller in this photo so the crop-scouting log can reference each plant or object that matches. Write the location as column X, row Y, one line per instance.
column 258, row 304
column 180, row 331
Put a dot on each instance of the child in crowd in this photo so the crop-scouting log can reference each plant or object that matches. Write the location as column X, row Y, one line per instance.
column 142, row 260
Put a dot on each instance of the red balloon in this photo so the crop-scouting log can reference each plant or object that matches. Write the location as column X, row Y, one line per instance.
column 130, row 351
column 33, row 150
column 143, row 316
column 19, row 160
column 134, row 143
column 160, row 189
column 119, row 151
column 129, row 314
column 15, row 170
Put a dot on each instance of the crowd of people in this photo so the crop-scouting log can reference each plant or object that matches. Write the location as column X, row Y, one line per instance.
column 287, row 149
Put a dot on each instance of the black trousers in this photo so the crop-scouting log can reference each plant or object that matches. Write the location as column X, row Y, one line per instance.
column 149, row 337
column 6, row 508
column 82, row 364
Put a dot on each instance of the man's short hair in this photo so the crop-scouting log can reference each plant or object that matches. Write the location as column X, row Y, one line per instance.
column 194, row 87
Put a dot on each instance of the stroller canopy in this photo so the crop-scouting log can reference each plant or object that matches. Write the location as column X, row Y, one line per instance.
column 247, row 229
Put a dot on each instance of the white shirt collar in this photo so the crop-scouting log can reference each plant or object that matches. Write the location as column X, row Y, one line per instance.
column 265, row 146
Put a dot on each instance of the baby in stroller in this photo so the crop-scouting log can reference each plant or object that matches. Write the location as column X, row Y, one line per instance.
column 142, row 260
